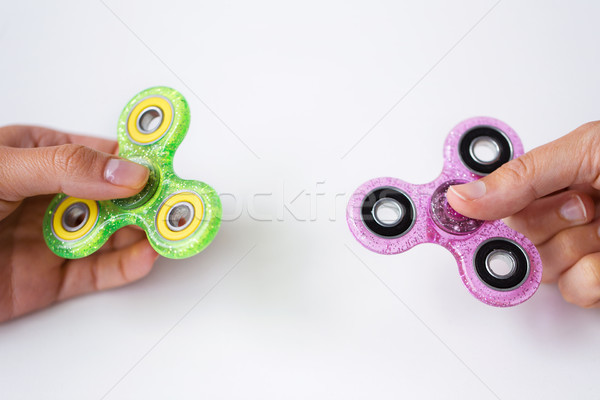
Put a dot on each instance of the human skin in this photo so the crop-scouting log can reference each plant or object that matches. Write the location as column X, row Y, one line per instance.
column 35, row 164
column 551, row 195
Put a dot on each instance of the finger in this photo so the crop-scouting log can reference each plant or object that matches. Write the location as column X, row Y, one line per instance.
column 580, row 284
column 567, row 247
column 587, row 189
column 107, row 270
column 572, row 159
column 597, row 210
column 124, row 237
column 545, row 217
column 72, row 169
column 36, row 136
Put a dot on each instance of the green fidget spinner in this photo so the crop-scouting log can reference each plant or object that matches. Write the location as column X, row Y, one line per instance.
column 180, row 217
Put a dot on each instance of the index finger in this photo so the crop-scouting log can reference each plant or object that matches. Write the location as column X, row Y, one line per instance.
column 37, row 136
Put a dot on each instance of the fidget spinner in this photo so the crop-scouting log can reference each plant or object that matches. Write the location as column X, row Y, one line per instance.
column 498, row 265
column 180, row 217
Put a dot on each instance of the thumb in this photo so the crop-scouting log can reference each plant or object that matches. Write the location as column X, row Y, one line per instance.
column 572, row 159
column 72, row 169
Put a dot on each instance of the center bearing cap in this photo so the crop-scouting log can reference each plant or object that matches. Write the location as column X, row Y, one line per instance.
column 448, row 219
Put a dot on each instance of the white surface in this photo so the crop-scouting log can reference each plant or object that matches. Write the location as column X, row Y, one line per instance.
column 300, row 83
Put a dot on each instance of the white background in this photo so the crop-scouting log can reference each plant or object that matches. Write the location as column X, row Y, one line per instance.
column 279, row 307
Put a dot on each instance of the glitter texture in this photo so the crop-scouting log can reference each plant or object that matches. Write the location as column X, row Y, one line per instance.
column 448, row 219
column 437, row 222
column 142, row 209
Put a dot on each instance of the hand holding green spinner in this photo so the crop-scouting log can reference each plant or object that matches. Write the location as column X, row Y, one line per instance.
column 180, row 217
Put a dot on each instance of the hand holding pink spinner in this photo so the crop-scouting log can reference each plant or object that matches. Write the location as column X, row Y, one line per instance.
column 498, row 265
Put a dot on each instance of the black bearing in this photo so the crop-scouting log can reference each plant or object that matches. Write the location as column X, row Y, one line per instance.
column 505, row 152
column 401, row 226
column 515, row 278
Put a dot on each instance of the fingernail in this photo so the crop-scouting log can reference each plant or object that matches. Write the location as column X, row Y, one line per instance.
column 573, row 210
column 469, row 191
column 121, row 172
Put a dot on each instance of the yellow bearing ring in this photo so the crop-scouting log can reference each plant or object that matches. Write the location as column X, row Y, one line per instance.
column 74, row 218
column 157, row 105
column 167, row 222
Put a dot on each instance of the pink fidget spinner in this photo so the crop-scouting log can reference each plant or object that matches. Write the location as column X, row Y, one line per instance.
column 498, row 265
